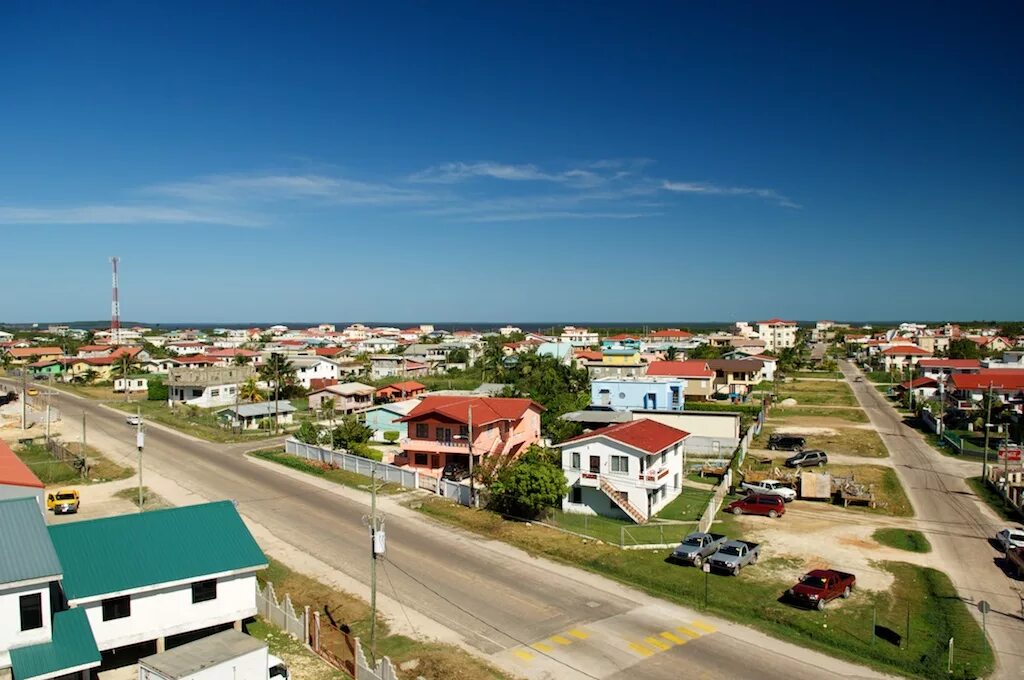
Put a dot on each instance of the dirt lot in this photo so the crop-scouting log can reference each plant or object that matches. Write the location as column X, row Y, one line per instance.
column 818, row 392
column 850, row 441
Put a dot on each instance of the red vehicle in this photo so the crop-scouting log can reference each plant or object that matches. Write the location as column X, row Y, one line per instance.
column 758, row 504
column 820, row 586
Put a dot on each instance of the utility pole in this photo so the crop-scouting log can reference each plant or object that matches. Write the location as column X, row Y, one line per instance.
column 24, row 399
column 469, row 443
column 988, row 418
column 140, row 436
column 377, row 546
column 82, row 451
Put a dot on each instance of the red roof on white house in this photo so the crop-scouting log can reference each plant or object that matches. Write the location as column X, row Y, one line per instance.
column 486, row 410
column 1001, row 379
column 778, row 322
column 25, row 352
column 13, row 471
column 691, row 368
column 949, row 363
column 905, row 350
column 645, row 434
column 671, row 333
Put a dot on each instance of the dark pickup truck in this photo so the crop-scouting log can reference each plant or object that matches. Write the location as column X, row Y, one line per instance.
column 697, row 547
column 820, row 586
column 1015, row 558
column 8, row 398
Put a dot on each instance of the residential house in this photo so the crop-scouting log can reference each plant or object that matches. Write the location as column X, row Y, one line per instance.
column 26, row 355
column 133, row 383
column 396, row 366
column 91, row 351
column 735, row 377
column 374, row 345
column 939, row 369
column 348, row 397
column 46, row 368
column 252, row 416
column 227, row 356
column 400, row 391
column 769, row 363
column 778, row 334
column 206, row 387
column 579, row 337
column 989, row 343
column 923, row 388
column 562, row 351
column 641, row 392
column 5, row 336
column 1011, row 360
column 100, row 368
column 699, row 380
column 186, row 348
column 443, row 429
column 968, row 389
column 310, row 368
column 628, row 470
column 388, row 418
column 18, row 481
column 902, row 357
column 617, row 361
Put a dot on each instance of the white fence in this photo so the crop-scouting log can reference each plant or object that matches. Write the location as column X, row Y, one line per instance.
column 356, row 464
column 282, row 614
column 384, row 669
column 715, row 502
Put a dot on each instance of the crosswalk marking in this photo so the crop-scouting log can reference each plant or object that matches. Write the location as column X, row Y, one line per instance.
column 656, row 643
column 578, row 634
column 671, row 637
column 561, row 640
column 703, row 626
column 541, row 647
column 686, row 631
column 523, row 654
column 640, row 649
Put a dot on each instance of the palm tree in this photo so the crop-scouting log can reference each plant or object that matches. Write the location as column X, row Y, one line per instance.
column 5, row 360
column 327, row 406
column 250, row 391
column 671, row 353
column 240, row 360
column 90, row 375
column 124, row 365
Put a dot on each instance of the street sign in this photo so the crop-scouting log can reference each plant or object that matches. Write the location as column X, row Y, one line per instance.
column 706, row 568
column 1009, row 453
column 984, row 607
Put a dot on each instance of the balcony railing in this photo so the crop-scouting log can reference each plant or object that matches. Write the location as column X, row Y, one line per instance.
column 412, row 442
column 654, row 477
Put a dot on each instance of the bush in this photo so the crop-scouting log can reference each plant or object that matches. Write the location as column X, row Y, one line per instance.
column 308, row 433
column 349, row 432
column 529, row 486
column 157, row 390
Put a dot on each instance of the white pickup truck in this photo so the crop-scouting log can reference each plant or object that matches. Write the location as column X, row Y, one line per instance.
column 770, row 487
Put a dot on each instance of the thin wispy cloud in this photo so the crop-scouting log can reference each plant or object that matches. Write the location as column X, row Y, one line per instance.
column 282, row 187
column 716, row 190
column 121, row 214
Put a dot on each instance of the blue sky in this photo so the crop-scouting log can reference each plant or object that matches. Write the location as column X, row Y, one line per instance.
column 524, row 161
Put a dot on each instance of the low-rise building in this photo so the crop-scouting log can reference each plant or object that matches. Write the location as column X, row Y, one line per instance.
column 27, row 355
column 253, row 416
column 400, row 391
column 699, row 379
column 206, row 387
column 778, row 334
column 347, row 397
column 629, row 470
column 579, row 337
column 735, row 377
column 17, row 480
column 902, row 357
column 940, row 368
column 387, row 417
column 641, row 392
column 396, row 366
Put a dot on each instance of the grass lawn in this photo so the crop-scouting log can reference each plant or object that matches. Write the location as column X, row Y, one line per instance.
column 435, row 660
column 688, row 507
column 903, row 539
column 815, row 374
column 336, row 475
column 993, row 499
column 849, row 441
column 882, row 377
column 301, row 662
column 854, row 415
column 201, row 423
column 51, row 471
column 150, row 499
column 753, row 598
column 100, row 392
column 817, row 393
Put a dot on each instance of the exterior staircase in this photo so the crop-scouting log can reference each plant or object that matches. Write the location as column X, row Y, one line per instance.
column 620, row 500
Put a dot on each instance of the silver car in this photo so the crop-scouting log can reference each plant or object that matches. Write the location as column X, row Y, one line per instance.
column 1010, row 538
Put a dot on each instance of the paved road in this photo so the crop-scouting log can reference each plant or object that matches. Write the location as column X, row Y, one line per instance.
column 957, row 523
column 539, row 620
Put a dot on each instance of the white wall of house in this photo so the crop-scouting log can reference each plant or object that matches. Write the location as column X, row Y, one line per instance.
column 134, row 384
column 203, row 397
column 322, row 370
column 169, row 610
column 11, row 635
column 620, row 465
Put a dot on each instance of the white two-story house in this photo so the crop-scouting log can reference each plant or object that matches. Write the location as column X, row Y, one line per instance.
column 630, row 470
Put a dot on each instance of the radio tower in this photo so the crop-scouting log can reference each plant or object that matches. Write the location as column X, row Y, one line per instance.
column 115, row 309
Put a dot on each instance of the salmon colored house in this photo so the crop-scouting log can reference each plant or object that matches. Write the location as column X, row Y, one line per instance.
column 400, row 390
column 440, row 432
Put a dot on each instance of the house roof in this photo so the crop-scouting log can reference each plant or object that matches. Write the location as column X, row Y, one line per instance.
column 778, row 322
column 349, row 389
column 317, row 384
column 129, row 552
column 404, row 386
column 918, row 382
column 906, row 350
column 645, row 434
column 25, row 549
column 486, row 410
column 71, row 647
column 96, row 348
column 13, row 471
column 25, row 352
column 734, row 364
column 189, row 659
column 1001, row 379
column 263, row 408
column 588, row 355
column 691, row 368
column 400, row 408
column 949, row 363
column 671, row 333
column 328, row 351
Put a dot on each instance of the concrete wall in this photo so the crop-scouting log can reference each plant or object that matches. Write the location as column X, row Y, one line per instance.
column 631, row 394
column 8, row 491
column 11, row 635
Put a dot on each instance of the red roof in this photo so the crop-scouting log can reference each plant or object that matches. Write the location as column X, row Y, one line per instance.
column 778, row 322
column 906, row 350
column 1001, row 379
column 95, row 348
column 691, row 368
column 25, row 352
column 621, row 336
column 949, row 363
column 14, row 472
column 645, row 434
column 317, row 384
column 406, row 386
column 328, row 351
column 232, row 352
column 919, row 382
column 671, row 333
column 588, row 355
column 486, row 410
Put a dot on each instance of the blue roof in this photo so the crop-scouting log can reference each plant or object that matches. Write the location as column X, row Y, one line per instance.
column 72, row 647
column 26, row 552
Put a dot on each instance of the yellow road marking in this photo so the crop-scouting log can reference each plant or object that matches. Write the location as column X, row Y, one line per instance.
column 523, row 654
column 671, row 637
column 640, row 649
column 656, row 643
column 703, row 626
column 686, row 631
column 541, row 647
column 561, row 640
column 579, row 634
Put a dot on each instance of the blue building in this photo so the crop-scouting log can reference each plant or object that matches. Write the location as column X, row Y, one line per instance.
column 384, row 418
column 639, row 392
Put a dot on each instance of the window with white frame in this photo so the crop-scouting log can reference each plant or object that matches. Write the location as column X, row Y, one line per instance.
column 620, row 464
column 575, row 460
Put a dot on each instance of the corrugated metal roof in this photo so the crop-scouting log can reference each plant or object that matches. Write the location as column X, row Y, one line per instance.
column 13, row 471
column 25, row 548
column 71, row 647
column 263, row 408
column 204, row 653
column 133, row 551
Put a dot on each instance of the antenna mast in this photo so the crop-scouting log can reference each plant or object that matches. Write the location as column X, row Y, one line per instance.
column 115, row 308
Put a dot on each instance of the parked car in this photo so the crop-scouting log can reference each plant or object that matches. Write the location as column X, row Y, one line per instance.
column 133, row 420
column 696, row 547
column 859, row 378
column 1015, row 557
column 734, row 555
column 808, row 458
column 63, row 501
column 8, row 398
column 757, row 504
column 1010, row 538
column 770, row 487
column 786, row 442
column 820, row 586
column 454, row 472
column 32, row 392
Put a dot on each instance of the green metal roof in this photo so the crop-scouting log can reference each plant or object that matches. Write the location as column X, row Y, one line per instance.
column 72, row 647
column 121, row 553
column 25, row 548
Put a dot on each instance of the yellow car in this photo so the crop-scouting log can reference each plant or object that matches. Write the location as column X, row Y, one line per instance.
column 32, row 391
column 63, row 501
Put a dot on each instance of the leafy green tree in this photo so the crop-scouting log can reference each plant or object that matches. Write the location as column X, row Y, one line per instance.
column 327, row 407
column 391, row 436
column 350, row 432
column 528, row 487
column 308, row 433
column 156, row 389
column 706, row 352
column 963, row 349
column 281, row 372
column 458, row 356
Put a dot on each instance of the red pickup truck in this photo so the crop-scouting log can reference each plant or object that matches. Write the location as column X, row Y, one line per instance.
column 821, row 585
